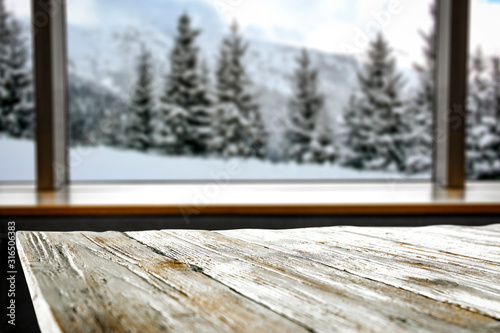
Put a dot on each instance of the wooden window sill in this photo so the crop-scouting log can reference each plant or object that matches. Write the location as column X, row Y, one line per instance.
column 251, row 199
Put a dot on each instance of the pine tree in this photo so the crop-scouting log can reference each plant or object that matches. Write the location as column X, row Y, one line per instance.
column 113, row 124
column 207, row 93
column 200, row 115
column 109, row 127
column 483, row 139
column 303, row 144
column 375, row 133
column 186, row 89
column 496, row 87
column 496, row 117
column 233, row 87
column 5, row 57
column 19, row 87
column 229, row 128
column 419, row 116
column 479, row 104
column 171, row 130
column 323, row 146
column 139, row 129
column 92, row 109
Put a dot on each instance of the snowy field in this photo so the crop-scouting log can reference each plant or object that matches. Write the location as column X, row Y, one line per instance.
column 108, row 164
column 17, row 160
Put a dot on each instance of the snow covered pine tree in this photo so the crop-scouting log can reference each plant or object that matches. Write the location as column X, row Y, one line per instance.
column 171, row 130
column 139, row 131
column 237, row 123
column 17, row 116
column 483, row 139
column 375, row 136
column 5, row 109
column 496, row 117
column 419, row 116
column 305, row 142
column 89, row 108
column 184, row 117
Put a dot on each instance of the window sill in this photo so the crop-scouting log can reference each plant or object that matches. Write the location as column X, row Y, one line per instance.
column 250, row 199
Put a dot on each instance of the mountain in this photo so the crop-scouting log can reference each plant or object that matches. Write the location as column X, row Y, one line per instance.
column 104, row 53
column 107, row 57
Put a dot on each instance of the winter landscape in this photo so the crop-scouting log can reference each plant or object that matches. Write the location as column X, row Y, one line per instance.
column 183, row 89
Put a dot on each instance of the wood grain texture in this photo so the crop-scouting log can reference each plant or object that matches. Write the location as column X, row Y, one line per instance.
column 108, row 282
column 439, row 279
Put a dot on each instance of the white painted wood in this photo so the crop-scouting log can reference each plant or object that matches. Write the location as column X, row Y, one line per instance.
column 444, row 239
column 439, row 279
column 279, row 292
column 108, row 282
column 315, row 303
column 373, row 299
column 492, row 227
column 461, row 286
column 45, row 317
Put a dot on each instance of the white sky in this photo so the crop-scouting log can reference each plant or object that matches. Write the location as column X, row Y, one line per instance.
column 84, row 12
column 485, row 26
column 326, row 25
column 330, row 25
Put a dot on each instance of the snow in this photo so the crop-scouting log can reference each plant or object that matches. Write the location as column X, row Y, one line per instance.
column 101, row 163
column 17, row 160
column 108, row 164
column 488, row 140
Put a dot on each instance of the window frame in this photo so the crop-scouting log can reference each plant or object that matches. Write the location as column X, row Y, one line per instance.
column 51, row 87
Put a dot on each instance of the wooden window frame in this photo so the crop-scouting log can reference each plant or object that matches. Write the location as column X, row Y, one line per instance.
column 50, row 72
column 451, row 93
column 50, row 66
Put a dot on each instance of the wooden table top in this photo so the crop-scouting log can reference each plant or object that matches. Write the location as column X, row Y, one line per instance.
column 439, row 279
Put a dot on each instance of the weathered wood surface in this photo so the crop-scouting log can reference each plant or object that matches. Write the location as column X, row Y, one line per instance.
column 438, row 276
column 438, row 279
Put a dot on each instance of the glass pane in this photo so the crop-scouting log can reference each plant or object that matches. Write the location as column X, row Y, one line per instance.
column 483, row 120
column 17, row 118
column 250, row 90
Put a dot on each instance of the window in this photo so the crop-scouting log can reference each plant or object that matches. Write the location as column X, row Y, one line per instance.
column 17, row 117
column 483, row 125
column 264, row 90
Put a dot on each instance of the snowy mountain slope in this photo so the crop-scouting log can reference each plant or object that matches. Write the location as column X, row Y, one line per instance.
column 107, row 53
column 107, row 57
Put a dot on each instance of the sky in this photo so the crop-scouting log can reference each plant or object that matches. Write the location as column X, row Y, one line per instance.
column 485, row 26
column 343, row 25
column 336, row 26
